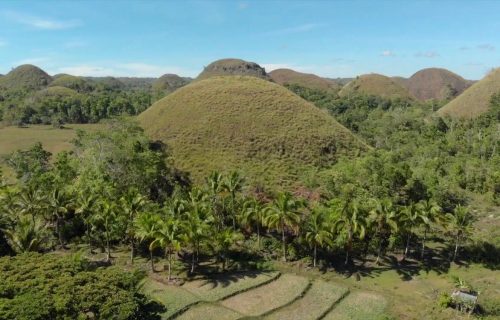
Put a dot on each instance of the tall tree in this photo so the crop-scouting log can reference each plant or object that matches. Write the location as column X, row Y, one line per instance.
column 146, row 226
column 167, row 236
column 317, row 231
column 429, row 212
column 132, row 203
column 410, row 218
column 460, row 223
column 384, row 216
column 284, row 212
column 253, row 214
column 26, row 235
column 233, row 184
column 58, row 204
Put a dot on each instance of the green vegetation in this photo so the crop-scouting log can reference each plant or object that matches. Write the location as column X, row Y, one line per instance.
column 263, row 130
column 307, row 80
column 209, row 311
column 167, row 84
column 475, row 101
column 232, row 67
column 358, row 306
column 375, row 84
column 436, row 83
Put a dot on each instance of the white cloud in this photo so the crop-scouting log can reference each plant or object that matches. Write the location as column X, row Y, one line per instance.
column 486, row 46
column 42, row 23
column 388, row 53
column 427, row 54
column 296, row 29
column 132, row 69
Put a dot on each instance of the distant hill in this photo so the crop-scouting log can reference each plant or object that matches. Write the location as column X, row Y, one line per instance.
column 72, row 82
column 233, row 67
column 436, row 83
column 475, row 100
column 248, row 124
column 106, row 83
column 402, row 81
column 312, row 81
column 25, row 77
column 168, row 83
column 341, row 81
column 375, row 84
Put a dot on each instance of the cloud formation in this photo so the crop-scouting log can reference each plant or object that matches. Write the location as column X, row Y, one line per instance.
column 41, row 23
column 130, row 69
column 388, row 53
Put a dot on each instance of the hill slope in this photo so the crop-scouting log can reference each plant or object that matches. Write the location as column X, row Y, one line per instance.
column 436, row 83
column 475, row 100
column 375, row 84
column 248, row 124
column 25, row 77
column 312, row 81
column 233, row 67
column 168, row 83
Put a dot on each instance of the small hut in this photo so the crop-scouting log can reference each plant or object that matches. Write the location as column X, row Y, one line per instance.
column 464, row 301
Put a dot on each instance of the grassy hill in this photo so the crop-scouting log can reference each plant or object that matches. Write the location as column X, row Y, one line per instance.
column 25, row 77
column 375, row 84
column 436, row 83
column 475, row 100
column 168, row 83
column 72, row 82
column 312, row 81
column 233, row 67
column 257, row 127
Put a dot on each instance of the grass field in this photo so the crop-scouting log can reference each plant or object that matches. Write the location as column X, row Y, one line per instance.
column 226, row 285
column 358, row 306
column 269, row 297
column 317, row 301
column 209, row 311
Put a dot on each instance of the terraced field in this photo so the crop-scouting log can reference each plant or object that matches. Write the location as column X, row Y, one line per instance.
column 266, row 295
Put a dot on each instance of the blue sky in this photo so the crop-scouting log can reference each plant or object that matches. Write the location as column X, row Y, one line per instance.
column 329, row 38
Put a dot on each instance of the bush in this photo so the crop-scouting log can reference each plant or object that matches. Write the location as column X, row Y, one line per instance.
column 444, row 300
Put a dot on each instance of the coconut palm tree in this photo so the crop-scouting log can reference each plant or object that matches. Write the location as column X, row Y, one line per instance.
column 85, row 205
column 215, row 187
column 107, row 219
column 384, row 216
column 284, row 212
column 221, row 242
column 429, row 212
column 350, row 217
column 132, row 203
column 233, row 184
column 58, row 205
column 410, row 218
column 146, row 225
column 318, row 231
column 460, row 223
column 26, row 235
column 194, row 231
column 253, row 214
column 31, row 201
column 167, row 236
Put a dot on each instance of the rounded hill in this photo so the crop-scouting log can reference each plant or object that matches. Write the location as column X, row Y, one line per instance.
column 233, row 67
column 436, row 83
column 248, row 124
column 475, row 100
column 72, row 82
column 168, row 83
column 25, row 77
column 311, row 81
column 377, row 85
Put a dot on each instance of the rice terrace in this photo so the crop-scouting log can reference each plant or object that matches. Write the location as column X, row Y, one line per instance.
column 270, row 160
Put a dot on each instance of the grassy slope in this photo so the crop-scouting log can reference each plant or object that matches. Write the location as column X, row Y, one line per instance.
column 248, row 124
column 475, row 100
column 287, row 76
column 431, row 83
column 375, row 84
column 25, row 77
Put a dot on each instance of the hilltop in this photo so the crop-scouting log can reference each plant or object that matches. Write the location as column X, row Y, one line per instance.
column 25, row 77
column 475, row 100
column 248, row 124
column 311, row 81
column 436, row 83
column 375, row 84
column 233, row 67
column 72, row 82
column 168, row 83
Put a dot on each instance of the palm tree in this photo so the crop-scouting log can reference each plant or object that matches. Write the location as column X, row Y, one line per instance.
column 460, row 222
column 349, row 217
column 194, row 230
column 132, row 203
column 108, row 219
column 167, row 236
column 85, row 204
column 31, row 201
column 284, row 212
column 411, row 217
column 215, row 183
column 429, row 212
column 146, row 225
column 318, row 231
column 384, row 216
column 233, row 184
column 59, row 203
column 26, row 235
column 253, row 213
column 222, row 242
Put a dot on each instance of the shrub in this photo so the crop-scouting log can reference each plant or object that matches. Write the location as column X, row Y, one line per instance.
column 444, row 300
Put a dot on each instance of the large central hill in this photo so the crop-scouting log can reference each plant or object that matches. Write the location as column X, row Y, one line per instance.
column 436, row 83
column 233, row 67
column 475, row 100
column 248, row 124
column 377, row 85
column 312, row 81
column 25, row 77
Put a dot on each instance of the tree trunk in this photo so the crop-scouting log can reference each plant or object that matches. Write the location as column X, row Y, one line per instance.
column 258, row 236
column 423, row 245
column 152, row 261
column 169, row 265
column 90, row 240
column 131, row 251
column 283, row 240
column 379, row 253
column 192, row 261
column 59, row 232
column 407, row 246
column 108, row 247
column 314, row 258
column 456, row 248
column 346, row 256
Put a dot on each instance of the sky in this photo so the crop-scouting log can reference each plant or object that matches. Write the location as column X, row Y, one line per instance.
column 328, row 38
